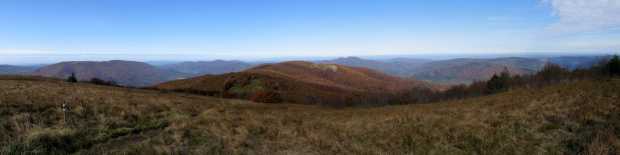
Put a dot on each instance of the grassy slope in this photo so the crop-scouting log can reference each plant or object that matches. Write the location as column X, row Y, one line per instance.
column 555, row 119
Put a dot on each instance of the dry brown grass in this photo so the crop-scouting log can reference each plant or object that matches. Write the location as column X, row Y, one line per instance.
column 32, row 105
column 569, row 118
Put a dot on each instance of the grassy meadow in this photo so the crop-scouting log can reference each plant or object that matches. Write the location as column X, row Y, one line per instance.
column 579, row 117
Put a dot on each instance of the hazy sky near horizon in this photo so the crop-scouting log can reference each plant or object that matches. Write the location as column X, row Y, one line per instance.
column 263, row 28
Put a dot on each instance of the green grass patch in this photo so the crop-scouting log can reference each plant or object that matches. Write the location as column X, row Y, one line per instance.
column 51, row 141
column 252, row 87
column 549, row 127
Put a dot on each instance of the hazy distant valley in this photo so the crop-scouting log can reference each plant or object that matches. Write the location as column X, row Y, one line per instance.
column 451, row 71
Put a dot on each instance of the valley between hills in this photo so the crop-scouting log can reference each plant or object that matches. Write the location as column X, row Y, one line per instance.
column 314, row 108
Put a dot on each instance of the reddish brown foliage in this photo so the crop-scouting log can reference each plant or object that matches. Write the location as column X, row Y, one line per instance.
column 267, row 96
column 552, row 74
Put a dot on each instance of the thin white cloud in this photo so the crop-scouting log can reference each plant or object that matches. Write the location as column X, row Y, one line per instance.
column 592, row 44
column 579, row 16
column 26, row 52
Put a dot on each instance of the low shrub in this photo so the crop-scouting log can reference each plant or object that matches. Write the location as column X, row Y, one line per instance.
column 267, row 96
column 99, row 81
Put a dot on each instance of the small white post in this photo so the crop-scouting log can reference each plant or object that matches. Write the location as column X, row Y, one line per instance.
column 64, row 110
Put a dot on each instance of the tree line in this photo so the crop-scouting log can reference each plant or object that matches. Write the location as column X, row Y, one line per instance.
column 94, row 80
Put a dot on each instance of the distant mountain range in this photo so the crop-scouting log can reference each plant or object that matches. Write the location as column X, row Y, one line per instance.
column 398, row 66
column 384, row 67
column 453, row 71
column 465, row 70
column 10, row 69
column 207, row 67
column 466, row 73
column 516, row 62
column 406, row 63
column 128, row 73
column 574, row 62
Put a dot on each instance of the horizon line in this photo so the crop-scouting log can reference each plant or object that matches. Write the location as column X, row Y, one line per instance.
column 283, row 58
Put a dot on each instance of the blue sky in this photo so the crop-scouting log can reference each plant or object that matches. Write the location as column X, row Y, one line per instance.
column 248, row 29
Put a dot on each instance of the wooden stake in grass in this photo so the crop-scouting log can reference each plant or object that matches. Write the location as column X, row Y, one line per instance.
column 64, row 110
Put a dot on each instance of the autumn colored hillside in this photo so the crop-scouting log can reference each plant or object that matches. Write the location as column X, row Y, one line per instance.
column 570, row 118
column 130, row 73
column 300, row 82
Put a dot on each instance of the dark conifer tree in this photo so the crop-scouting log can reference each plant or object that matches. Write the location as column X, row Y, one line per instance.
column 614, row 66
column 72, row 78
column 495, row 84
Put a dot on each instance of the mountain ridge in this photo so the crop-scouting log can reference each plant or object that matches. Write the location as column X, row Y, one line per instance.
column 196, row 68
column 10, row 69
column 452, row 71
column 129, row 73
column 466, row 73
